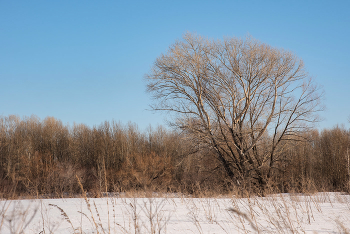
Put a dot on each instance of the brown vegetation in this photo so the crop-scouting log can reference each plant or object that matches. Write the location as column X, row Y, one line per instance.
column 43, row 158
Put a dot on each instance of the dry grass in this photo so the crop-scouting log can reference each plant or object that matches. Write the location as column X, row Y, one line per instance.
column 279, row 213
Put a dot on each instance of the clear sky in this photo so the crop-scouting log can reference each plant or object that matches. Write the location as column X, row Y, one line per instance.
column 84, row 61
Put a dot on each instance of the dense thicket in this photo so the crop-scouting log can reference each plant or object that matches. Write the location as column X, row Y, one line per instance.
column 45, row 157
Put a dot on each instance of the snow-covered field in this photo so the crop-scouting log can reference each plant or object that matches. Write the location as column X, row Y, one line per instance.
column 281, row 213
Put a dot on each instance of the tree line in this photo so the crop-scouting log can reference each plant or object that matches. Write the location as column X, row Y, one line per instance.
column 45, row 157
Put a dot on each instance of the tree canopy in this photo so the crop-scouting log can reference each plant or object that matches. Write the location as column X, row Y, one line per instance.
column 238, row 97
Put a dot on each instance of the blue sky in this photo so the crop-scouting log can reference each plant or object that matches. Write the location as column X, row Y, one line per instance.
column 84, row 61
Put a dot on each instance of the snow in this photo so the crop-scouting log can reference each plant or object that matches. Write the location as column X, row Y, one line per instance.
column 280, row 213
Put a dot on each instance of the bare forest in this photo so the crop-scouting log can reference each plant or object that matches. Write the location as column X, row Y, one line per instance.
column 44, row 158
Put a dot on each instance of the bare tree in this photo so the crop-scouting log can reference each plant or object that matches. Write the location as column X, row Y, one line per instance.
column 241, row 98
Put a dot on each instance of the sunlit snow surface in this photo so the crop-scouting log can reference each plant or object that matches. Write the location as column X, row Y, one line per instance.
column 281, row 213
